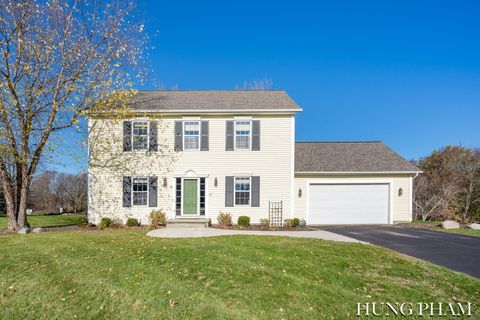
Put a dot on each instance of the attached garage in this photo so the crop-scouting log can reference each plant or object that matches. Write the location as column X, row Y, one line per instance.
column 348, row 203
column 352, row 183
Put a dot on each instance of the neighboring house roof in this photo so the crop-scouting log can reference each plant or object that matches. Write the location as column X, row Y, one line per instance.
column 212, row 101
column 349, row 157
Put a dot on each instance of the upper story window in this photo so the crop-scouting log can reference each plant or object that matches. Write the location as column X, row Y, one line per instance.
column 191, row 135
column 140, row 191
column 243, row 135
column 242, row 191
column 140, row 135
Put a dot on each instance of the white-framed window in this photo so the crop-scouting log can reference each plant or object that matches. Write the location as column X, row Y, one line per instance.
column 191, row 135
column 242, row 191
column 139, row 135
column 243, row 134
column 139, row 191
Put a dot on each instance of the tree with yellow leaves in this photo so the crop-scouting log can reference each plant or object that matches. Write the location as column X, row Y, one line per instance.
column 58, row 60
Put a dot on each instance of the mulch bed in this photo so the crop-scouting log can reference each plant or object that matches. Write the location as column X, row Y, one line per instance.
column 261, row 228
column 92, row 227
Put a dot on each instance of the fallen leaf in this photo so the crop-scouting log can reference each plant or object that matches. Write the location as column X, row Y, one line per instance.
column 171, row 303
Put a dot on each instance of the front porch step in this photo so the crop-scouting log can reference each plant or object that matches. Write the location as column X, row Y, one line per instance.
column 188, row 223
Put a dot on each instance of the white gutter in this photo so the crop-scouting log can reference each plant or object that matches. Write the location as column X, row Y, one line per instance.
column 355, row 172
column 220, row 110
column 200, row 112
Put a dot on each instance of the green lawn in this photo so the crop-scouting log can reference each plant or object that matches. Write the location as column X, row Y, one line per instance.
column 122, row 274
column 436, row 226
column 466, row 231
column 432, row 223
column 46, row 220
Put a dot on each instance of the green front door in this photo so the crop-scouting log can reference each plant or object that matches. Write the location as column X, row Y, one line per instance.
column 190, row 196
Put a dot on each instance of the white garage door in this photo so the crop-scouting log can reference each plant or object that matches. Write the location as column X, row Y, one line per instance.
column 348, row 204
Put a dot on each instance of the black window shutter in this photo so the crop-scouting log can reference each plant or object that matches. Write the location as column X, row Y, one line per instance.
column 152, row 191
column 152, row 139
column 127, row 192
column 127, row 136
column 229, row 191
column 178, row 136
column 178, row 196
column 256, row 135
column 204, row 136
column 229, row 136
column 255, row 201
column 202, row 196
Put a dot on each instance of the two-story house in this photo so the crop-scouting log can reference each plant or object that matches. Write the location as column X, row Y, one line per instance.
column 194, row 154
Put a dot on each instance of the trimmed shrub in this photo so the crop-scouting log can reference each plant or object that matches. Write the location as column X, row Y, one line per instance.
column 157, row 218
column 295, row 222
column 224, row 219
column 287, row 223
column 243, row 221
column 265, row 223
column 83, row 221
column 105, row 223
column 132, row 222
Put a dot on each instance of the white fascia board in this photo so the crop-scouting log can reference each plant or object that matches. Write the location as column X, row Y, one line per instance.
column 240, row 111
column 354, row 172
column 204, row 112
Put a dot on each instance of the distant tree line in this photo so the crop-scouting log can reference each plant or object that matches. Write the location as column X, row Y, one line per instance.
column 55, row 192
column 449, row 187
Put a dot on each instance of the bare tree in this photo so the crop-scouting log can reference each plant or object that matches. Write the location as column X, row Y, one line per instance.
column 59, row 189
column 261, row 84
column 469, row 167
column 57, row 60
column 42, row 196
column 450, row 184
column 429, row 198
column 76, row 192
column 53, row 190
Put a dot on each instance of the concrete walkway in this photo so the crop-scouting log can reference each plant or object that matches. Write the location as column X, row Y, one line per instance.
column 180, row 232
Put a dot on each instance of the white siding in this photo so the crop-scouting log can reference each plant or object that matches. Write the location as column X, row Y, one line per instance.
column 272, row 163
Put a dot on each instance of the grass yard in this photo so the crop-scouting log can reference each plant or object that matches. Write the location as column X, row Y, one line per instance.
column 436, row 226
column 466, row 231
column 122, row 274
column 46, row 220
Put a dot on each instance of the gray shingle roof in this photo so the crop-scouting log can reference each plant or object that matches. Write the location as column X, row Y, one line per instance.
column 371, row 156
column 213, row 100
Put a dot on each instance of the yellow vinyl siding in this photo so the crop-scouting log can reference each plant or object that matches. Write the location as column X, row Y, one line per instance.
column 272, row 163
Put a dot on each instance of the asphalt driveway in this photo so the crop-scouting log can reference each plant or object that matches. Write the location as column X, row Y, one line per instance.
column 454, row 251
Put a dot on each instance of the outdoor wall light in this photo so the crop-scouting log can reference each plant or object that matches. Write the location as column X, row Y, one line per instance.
column 215, row 182
column 164, row 182
column 400, row 192
column 300, row 192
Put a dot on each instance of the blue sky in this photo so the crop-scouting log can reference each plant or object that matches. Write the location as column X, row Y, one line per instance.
column 404, row 72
